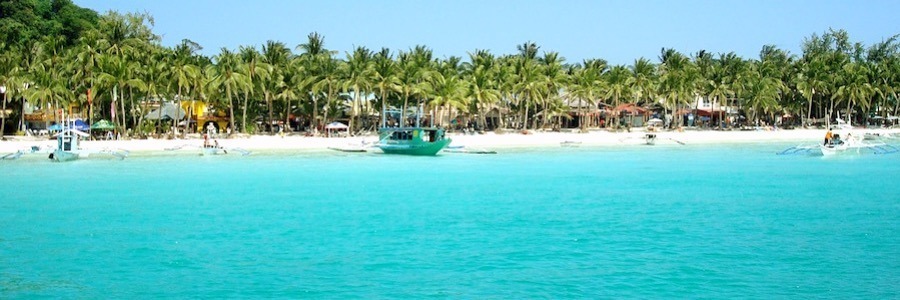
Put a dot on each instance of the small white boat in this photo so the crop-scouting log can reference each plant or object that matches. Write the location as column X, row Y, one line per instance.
column 853, row 144
column 67, row 148
column 650, row 139
column 212, row 150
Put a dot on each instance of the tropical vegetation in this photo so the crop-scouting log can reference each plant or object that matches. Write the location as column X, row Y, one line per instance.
column 59, row 57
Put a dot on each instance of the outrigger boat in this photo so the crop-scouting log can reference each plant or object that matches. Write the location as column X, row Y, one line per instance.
column 852, row 144
column 67, row 148
column 650, row 139
column 412, row 140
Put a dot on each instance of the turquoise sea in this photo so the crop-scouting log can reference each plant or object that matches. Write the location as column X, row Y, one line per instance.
column 633, row 222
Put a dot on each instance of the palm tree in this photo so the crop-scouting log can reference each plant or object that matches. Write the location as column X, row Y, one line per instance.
column 529, row 85
column 360, row 73
column 856, row 89
column 555, row 78
column 318, row 64
column 449, row 92
column 587, row 81
column 416, row 68
column 678, row 79
column 482, row 87
column 616, row 86
column 8, row 77
column 185, row 71
column 384, row 77
column 277, row 58
column 328, row 83
column 643, row 80
column 256, row 70
column 226, row 75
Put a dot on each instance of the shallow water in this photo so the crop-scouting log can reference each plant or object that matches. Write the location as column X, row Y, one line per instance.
column 635, row 222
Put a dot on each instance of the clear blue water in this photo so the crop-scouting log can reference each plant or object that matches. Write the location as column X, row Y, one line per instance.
column 638, row 222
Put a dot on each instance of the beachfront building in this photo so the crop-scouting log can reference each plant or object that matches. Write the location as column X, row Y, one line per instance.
column 711, row 113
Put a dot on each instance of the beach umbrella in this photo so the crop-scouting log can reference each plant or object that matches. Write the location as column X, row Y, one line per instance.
column 103, row 125
column 336, row 125
column 80, row 125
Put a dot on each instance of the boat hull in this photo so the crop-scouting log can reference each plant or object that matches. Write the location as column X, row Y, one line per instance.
column 63, row 156
column 211, row 151
column 421, row 149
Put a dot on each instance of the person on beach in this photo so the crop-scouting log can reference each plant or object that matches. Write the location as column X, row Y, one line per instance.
column 828, row 136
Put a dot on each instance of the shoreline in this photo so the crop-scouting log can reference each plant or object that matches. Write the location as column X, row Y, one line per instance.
column 489, row 140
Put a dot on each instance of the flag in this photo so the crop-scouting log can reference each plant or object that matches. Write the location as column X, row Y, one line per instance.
column 112, row 107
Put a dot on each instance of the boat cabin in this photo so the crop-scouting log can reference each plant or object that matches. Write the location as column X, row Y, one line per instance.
column 428, row 135
column 67, row 141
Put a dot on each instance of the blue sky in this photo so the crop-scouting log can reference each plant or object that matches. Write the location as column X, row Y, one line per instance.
column 618, row 31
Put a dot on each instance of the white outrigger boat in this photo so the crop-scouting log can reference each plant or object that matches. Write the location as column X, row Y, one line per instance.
column 68, row 147
column 855, row 145
column 838, row 145
column 208, row 149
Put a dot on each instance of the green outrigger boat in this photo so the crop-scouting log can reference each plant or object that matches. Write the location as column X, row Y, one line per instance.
column 412, row 140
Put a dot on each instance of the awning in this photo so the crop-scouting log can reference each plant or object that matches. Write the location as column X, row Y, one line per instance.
column 168, row 111
column 336, row 125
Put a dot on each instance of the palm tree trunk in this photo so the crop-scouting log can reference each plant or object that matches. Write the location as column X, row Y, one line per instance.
column 269, row 108
column 244, row 114
column 402, row 122
column 230, row 107
column 5, row 115
column 131, row 103
column 525, row 112
column 313, row 121
column 353, row 107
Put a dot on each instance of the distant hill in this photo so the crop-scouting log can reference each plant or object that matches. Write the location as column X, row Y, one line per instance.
column 23, row 21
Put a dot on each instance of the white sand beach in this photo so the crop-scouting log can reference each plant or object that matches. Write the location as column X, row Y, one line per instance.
column 489, row 140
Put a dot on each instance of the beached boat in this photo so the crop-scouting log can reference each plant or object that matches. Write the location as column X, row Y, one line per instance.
column 650, row 139
column 412, row 140
column 67, row 148
column 213, row 150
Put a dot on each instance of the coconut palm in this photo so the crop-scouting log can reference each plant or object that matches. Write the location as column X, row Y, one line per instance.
column 318, row 63
column 360, row 74
column 384, row 78
column 642, row 83
column 482, row 87
column 616, row 87
column 586, row 85
column 449, row 92
column 277, row 58
column 184, row 70
column 225, row 74
column 678, row 76
column 415, row 70
column 9, row 69
column 257, row 71
column 856, row 89
column 555, row 78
